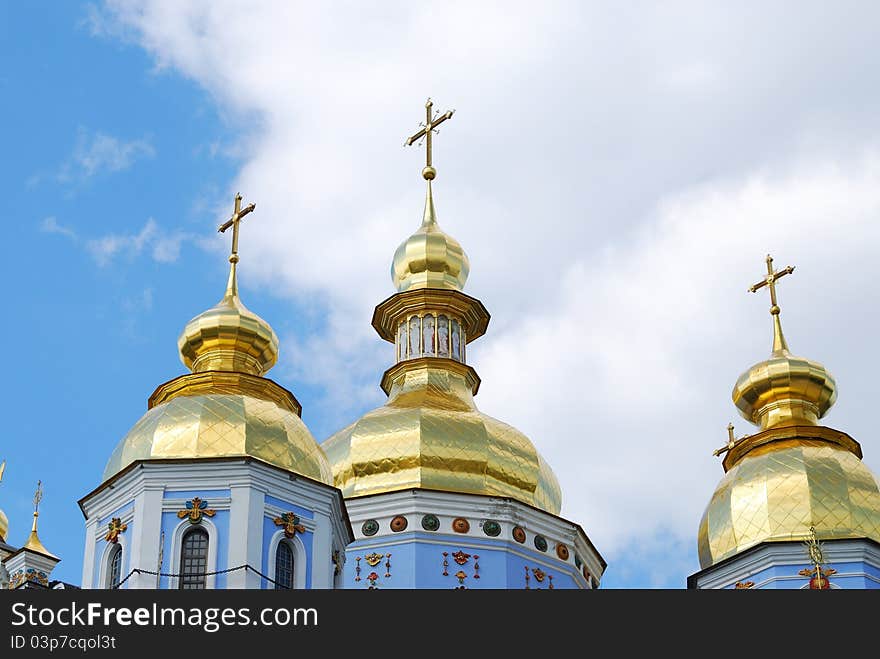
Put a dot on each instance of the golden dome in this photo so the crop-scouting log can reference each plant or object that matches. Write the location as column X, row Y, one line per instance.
column 431, row 435
column 228, row 337
column 4, row 526
column 207, row 415
column 785, row 389
column 429, row 258
column 781, row 488
column 224, row 408
column 792, row 474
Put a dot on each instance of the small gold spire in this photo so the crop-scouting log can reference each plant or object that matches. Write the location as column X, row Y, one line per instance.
column 779, row 344
column 4, row 521
column 428, row 128
column 33, row 542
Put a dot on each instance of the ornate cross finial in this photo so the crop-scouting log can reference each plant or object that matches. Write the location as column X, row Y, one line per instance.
column 196, row 510
column 237, row 214
column 731, row 442
column 114, row 528
column 770, row 282
column 38, row 496
column 429, row 127
column 2, row 470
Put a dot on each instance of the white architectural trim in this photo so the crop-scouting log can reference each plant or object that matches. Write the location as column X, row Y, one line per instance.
column 300, row 559
column 177, row 545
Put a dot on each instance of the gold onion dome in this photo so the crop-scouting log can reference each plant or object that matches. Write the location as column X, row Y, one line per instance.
column 225, row 407
column 793, row 473
column 430, row 258
column 430, row 434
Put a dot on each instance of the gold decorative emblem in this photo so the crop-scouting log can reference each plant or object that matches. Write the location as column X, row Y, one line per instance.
column 373, row 559
column 539, row 574
column 196, row 509
column 817, row 574
column 741, row 585
column 291, row 524
column 460, row 557
column 115, row 528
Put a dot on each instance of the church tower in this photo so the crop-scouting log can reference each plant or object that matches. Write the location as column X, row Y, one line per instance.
column 797, row 507
column 441, row 495
column 220, row 484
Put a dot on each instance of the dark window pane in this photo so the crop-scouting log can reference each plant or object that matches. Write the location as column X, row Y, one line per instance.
column 194, row 560
column 284, row 567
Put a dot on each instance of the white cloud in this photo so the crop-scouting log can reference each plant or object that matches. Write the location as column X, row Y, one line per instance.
column 163, row 247
column 98, row 152
column 50, row 225
column 616, row 175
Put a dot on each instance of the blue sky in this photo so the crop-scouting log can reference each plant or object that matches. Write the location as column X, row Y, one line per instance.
column 616, row 176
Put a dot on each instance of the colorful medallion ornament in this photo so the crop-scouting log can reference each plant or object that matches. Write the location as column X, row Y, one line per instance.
column 290, row 523
column 461, row 525
column 20, row 577
column 373, row 559
column 519, row 534
column 491, row 528
column 744, row 585
column 577, row 561
column 539, row 574
column 115, row 528
column 460, row 557
column 540, row 543
column 430, row 522
column 196, row 510
column 398, row 524
column 370, row 527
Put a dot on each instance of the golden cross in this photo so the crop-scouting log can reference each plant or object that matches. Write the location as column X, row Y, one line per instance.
column 233, row 222
column 428, row 128
column 731, row 442
column 38, row 496
column 2, row 470
column 770, row 282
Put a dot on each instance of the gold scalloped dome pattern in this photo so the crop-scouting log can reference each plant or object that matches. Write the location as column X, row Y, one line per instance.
column 4, row 526
column 228, row 337
column 223, row 425
column 430, row 258
column 431, row 435
column 778, row 490
column 784, row 390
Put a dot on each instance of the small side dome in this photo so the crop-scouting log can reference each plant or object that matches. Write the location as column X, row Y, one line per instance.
column 430, row 258
column 784, row 390
column 228, row 337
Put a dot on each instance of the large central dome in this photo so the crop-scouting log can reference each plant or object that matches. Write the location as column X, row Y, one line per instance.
column 431, row 435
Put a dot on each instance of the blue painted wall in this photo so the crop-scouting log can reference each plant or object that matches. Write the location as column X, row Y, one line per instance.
column 417, row 562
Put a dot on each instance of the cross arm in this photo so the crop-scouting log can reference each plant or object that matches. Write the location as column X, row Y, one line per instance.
column 412, row 139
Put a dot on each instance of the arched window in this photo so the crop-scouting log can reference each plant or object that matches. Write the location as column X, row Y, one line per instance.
column 284, row 567
column 193, row 560
column 114, row 567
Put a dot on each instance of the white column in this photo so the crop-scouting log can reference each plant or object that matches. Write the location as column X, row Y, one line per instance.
column 144, row 546
column 322, row 562
column 245, row 536
column 88, row 573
